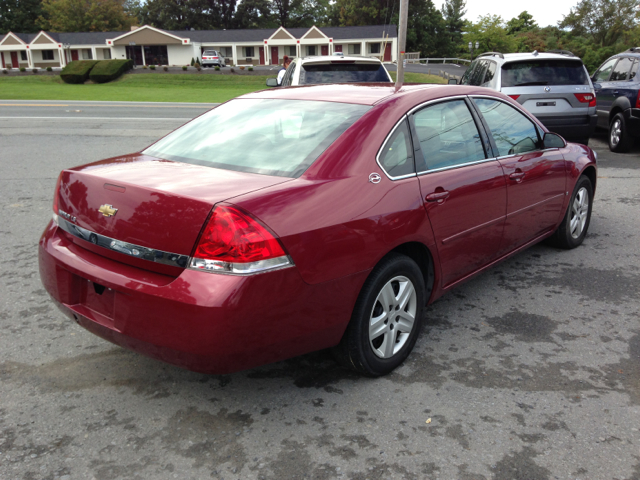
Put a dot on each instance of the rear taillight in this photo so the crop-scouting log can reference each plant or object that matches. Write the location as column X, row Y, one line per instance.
column 233, row 242
column 589, row 98
column 515, row 97
column 57, row 194
column 638, row 100
column 214, row 58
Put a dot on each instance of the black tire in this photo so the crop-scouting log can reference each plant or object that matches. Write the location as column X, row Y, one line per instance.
column 619, row 139
column 567, row 236
column 356, row 349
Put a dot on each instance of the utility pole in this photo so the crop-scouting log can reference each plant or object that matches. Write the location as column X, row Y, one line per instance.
column 402, row 42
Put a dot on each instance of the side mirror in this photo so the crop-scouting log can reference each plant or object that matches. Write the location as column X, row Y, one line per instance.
column 272, row 82
column 452, row 81
column 553, row 140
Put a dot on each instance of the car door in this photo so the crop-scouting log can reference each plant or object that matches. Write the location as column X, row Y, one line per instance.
column 535, row 177
column 619, row 82
column 463, row 189
column 604, row 96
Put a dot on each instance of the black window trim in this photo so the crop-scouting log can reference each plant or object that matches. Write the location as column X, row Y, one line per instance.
column 628, row 71
column 488, row 148
column 387, row 138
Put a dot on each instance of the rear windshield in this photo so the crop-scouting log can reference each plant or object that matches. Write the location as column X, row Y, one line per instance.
column 343, row 73
column 270, row 137
column 544, row 72
column 210, row 52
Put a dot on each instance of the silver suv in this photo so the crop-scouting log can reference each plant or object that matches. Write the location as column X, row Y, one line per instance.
column 212, row 58
column 333, row 69
column 555, row 87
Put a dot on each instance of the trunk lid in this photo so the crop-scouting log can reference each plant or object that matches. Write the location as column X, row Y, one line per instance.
column 161, row 204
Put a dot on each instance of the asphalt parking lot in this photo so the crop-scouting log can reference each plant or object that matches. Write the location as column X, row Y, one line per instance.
column 530, row 371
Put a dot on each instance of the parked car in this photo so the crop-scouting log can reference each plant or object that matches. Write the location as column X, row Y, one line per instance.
column 212, row 58
column 333, row 69
column 617, row 86
column 555, row 87
column 292, row 220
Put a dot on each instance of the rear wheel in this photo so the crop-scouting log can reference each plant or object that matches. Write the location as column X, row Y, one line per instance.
column 387, row 318
column 575, row 223
column 619, row 140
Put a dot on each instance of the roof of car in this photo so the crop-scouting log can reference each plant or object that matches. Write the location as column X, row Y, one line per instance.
column 365, row 94
column 510, row 57
column 339, row 59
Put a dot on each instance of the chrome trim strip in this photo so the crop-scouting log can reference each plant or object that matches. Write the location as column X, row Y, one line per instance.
column 240, row 269
column 437, row 100
column 458, row 166
column 524, row 209
column 126, row 248
column 409, row 175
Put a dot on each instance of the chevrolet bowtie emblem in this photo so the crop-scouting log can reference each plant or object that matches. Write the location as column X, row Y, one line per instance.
column 107, row 210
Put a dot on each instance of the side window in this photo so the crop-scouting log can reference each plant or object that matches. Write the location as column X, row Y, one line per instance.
column 602, row 75
column 288, row 75
column 490, row 75
column 634, row 69
column 478, row 74
column 621, row 70
column 512, row 131
column 396, row 156
column 448, row 135
column 468, row 73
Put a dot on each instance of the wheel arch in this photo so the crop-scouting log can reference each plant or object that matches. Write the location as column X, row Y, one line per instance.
column 420, row 253
column 592, row 175
column 619, row 105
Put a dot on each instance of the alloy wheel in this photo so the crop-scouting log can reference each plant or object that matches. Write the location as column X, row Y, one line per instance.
column 579, row 212
column 616, row 132
column 393, row 316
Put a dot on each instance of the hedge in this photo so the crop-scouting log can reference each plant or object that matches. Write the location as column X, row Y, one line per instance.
column 77, row 71
column 107, row 70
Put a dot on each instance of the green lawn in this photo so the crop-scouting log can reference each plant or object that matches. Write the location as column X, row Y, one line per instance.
column 151, row 87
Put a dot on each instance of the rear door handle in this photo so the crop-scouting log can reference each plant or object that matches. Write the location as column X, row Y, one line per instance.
column 517, row 176
column 437, row 196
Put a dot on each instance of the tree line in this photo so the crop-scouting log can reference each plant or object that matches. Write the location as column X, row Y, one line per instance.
column 593, row 29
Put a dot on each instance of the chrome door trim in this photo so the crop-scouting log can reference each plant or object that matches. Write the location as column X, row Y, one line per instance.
column 126, row 248
column 437, row 100
column 386, row 139
column 485, row 160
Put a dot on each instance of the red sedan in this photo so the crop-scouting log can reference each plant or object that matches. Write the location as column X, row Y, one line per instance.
column 292, row 220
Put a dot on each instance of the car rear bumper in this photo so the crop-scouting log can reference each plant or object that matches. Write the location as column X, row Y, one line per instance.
column 210, row 323
column 571, row 127
column 212, row 62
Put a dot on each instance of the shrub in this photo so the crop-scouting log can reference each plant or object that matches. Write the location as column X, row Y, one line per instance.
column 108, row 70
column 184, row 67
column 217, row 67
column 4, row 71
column 192, row 61
column 250, row 69
column 233, row 70
column 165, row 68
column 49, row 69
column 197, row 64
column 152, row 67
column 77, row 71
column 242, row 67
column 35, row 70
column 22, row 69
column 145, row 67
column 8, row 67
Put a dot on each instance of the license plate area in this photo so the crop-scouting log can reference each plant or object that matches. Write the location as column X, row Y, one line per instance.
column 545, row 104
column 98, row 298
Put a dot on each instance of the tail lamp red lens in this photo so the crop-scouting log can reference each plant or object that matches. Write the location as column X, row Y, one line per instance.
column 638, row 100
column 232, row 236
column 56, row 194
column 589, row 98
column 515, row 97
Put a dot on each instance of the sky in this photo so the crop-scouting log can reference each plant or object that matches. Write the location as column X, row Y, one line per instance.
column 545, row 12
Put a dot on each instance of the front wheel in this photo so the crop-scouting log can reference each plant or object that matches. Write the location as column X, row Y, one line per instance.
column 619, row 140
column 575, row 223
column 386, row 320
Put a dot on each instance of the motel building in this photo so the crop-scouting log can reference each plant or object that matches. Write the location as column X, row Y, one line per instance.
column 147, row 45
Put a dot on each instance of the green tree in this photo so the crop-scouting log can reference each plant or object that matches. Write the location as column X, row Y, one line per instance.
column 522, row 23
column 453, row 12
column 365, row 12
column 426, row 30
column 83, row 16
column 604, row 22
column 491, row 33
column 20, row 16
column 253, row 14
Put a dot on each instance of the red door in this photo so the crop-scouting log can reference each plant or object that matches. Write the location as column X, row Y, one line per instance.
column 74, row 55
column 274, row 56
column 387, row 53
column 261, row 50
column 2, row 56
column 337, row 48
column 324, row 49
column 14, row 60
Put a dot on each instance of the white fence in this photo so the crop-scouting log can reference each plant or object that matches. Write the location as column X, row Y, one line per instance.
column 437, row 60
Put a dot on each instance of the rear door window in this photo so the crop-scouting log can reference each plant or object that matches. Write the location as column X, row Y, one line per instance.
column 468, row 73
column 544, row 72
column 396, row 156
column 489, row 75
column 634, row 69
column 621, row 70
column 341, row 72
column 478, row 73
column 513, row 133
column 448, row 135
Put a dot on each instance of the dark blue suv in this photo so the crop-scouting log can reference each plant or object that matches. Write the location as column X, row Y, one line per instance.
column 617, row 86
